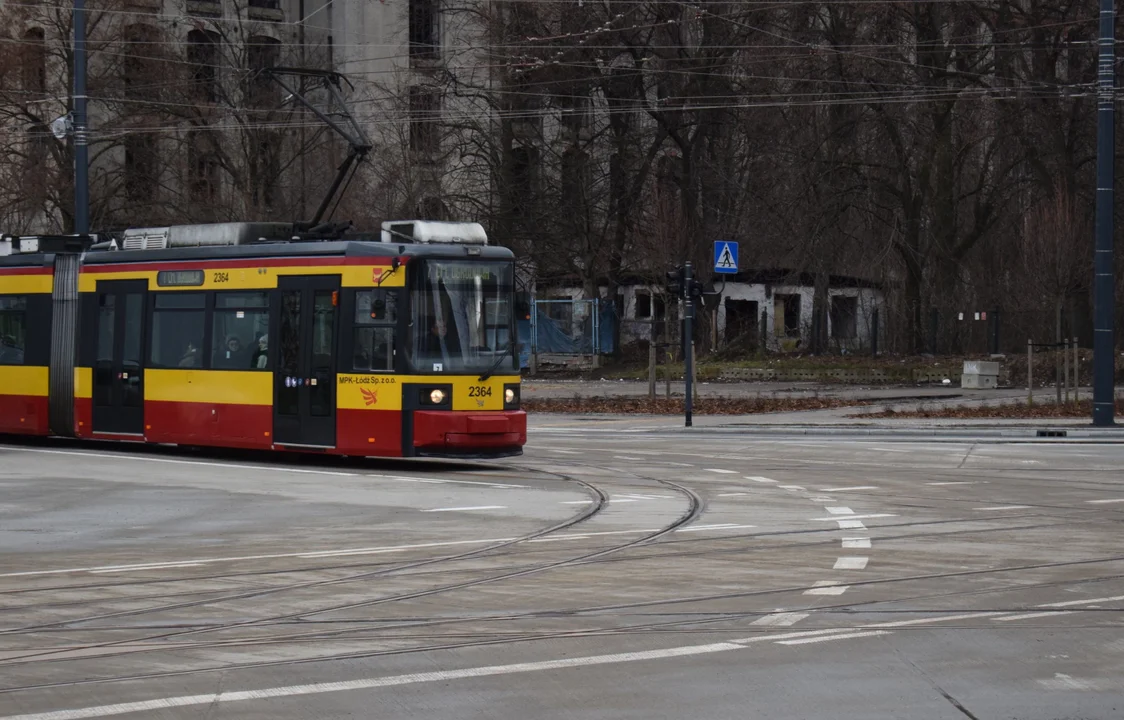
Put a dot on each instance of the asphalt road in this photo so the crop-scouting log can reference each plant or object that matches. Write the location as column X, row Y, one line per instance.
column 609, row 573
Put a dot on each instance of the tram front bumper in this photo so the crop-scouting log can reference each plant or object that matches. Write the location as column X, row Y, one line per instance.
column 470, row 433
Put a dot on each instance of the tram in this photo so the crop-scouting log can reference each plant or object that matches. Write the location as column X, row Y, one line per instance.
column 251, row 335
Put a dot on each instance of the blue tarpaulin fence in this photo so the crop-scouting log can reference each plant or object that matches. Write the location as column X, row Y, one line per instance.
column 590, row 335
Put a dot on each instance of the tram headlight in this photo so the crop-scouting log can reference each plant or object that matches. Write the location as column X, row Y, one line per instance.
column 511, row 397
column 437, row 397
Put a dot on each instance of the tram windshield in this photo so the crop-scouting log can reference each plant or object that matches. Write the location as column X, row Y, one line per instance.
column 462, row 318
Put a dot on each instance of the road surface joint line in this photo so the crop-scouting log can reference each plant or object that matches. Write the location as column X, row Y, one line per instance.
column 467, row 508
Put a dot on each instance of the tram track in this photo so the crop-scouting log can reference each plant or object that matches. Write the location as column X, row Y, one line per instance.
column 667, row 626
column 361, row 630
column 695, row 507
column 598, row 501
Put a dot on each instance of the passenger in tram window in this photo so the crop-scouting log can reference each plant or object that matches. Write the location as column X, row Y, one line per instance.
column 261, row 355
column 232, row 355
column 190, row 356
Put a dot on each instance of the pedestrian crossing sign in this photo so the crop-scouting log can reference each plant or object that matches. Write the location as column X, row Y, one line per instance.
column 725, row 257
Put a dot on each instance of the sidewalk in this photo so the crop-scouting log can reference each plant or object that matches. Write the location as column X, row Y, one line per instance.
column 835, row 421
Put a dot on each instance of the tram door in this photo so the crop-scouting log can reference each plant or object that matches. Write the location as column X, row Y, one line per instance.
column 118, row 389
column 304, row 402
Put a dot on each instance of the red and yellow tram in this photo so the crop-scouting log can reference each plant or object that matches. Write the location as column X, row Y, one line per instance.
column 234, row 335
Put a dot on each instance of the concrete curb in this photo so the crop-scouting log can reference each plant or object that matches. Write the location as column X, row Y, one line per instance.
column 1038, row 433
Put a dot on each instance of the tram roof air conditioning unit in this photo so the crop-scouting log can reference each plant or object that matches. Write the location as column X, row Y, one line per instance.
column 434, row 232
column 205, row 235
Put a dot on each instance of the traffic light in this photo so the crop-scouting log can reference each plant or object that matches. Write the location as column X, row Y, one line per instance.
column 676, row 281
column 696, row 289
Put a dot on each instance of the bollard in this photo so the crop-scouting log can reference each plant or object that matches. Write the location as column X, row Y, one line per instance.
column 652, row 362
column 1076, row 371
column 1065, row 361
column 1029, row 373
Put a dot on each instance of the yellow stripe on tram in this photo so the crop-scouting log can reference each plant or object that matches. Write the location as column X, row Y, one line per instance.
column 24, row 380
column 220, row 387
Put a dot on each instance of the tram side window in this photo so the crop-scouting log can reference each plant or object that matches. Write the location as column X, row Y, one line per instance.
column 241, row 326
column 13, row 329
column 178, row 319
column 376, row 312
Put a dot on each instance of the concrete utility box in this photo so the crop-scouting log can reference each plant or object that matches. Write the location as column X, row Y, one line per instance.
column 979, row 374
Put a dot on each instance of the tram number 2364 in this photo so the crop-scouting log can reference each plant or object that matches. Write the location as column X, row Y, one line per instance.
column 479, row 391
column 220, row 277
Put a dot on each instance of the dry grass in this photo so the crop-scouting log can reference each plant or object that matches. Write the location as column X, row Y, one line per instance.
column 674, row 406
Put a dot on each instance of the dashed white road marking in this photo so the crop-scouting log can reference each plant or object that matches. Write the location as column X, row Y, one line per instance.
column 829, row 638
column 851, row 525
column 1028, row 616
column 1087, row 601
column 821, row 499
column 856, row 488
column 625, row 457
column 839, row 510
column 827, row 587
column 164, row 566
column 792, row 487
column 780, row 619
column 955, row 482
column 857, row 517
column 467, row 508
column 851, row 562
column 1061, row 681
column 730, row 494
column 857, row 542
column 724, row 526
column 1004, row 507
column 758, row 478
column 721, row 471
column 1105, row 502
column 931, row 620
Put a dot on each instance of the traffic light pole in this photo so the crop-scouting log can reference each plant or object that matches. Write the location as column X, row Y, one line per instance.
column 1104, row 346
column 688, row 344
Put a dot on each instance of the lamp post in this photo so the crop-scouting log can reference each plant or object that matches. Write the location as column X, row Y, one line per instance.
column 81, row 150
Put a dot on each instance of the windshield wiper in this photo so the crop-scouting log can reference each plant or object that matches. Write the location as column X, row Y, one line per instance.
column 499, row 361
